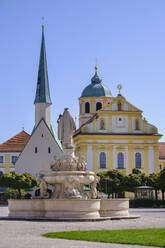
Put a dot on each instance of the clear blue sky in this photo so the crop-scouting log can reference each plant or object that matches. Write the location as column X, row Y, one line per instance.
column 127, row 37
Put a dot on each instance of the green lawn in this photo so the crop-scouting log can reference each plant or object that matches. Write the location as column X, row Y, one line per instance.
column 149, row 237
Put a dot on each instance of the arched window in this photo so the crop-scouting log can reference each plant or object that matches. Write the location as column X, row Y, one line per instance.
column 138, row 160
column 49, row 150
column 98, row 105
column 119, row 106
column 87, row 107
column 35, row 150
column 102, row 160
column 120, row 160
column 137, row 125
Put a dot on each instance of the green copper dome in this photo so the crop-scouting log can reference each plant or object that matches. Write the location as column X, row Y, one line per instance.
column 96, row 88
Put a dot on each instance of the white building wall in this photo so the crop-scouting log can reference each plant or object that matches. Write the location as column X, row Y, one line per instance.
column 32, row 162
column 116, row 129
column 42, row 111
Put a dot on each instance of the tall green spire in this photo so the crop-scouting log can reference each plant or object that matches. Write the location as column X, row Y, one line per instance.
column 42, row 91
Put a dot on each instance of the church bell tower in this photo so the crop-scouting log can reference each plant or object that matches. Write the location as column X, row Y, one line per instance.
column 42, row 99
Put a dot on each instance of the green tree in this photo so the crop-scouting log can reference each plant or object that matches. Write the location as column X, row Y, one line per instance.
column 136, row 171
column 131, row 181
column 18, row 181
column 152, row 181
column 111, row 183
column 161, row 182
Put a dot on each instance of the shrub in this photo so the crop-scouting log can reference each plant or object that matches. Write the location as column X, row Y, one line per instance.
column 145, row 203
column 13, row 194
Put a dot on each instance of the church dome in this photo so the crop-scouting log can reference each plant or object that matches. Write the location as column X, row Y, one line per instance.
column 96, row 88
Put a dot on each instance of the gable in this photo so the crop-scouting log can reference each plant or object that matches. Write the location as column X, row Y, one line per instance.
column 125, row 105
column 39, row 151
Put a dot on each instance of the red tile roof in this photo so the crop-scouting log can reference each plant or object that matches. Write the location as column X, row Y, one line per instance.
column 162, row 150
column 16, row 143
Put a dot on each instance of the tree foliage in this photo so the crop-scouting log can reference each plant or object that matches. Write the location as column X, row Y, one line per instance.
column 17, row 181
column 114, row 182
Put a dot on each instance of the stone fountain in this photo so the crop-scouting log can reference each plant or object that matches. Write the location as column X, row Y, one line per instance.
column 68, row 178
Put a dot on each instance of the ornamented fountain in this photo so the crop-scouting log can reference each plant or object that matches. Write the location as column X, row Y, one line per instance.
column 68, row 178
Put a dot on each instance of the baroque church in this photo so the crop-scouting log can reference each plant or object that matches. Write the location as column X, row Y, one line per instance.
column 113, row 134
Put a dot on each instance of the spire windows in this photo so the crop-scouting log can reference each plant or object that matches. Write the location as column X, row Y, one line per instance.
column 87, row 107
column 98, row 105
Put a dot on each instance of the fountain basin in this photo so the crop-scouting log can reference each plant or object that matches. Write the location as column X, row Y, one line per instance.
column 54, row 208
column 114, row 207
column 84, row 177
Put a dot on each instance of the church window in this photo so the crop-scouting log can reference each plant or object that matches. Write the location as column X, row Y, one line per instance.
column 102, row 160
column 1, row 159
column 119, row 106
column 102, row 125
column 120, row 160
column 87, row 107
column 42, row 135
column 138, row 160
column 137, row 125
column 49, row 150
column 14, row 159
column 35, row 150
column 98, row 105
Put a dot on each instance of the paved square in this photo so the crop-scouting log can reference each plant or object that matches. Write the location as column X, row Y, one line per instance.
column 27, row 234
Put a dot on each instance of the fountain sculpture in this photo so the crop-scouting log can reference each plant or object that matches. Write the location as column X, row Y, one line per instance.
column 68, row 178
column 69, row 174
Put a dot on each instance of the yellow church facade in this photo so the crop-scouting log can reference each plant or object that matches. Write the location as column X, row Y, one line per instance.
column 113, row 134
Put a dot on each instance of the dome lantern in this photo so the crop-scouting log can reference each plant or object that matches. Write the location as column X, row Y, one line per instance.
column 96, row 88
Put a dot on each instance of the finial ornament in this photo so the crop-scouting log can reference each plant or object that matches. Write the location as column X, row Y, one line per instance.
column 119, row 86
column 96, row 67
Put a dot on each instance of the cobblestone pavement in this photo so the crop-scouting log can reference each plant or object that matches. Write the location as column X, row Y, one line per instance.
column 21, row 234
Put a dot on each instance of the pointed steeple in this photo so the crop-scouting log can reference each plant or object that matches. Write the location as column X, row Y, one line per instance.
column 42, row 91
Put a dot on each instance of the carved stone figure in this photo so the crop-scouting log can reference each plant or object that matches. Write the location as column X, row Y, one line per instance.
column 82, row 165
column 93, row 190
column 43, row 186
column 55, row 164
column 66, row 127
column 59, row 121
column 69, row 174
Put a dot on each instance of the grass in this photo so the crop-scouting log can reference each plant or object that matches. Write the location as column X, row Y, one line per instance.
column 148, row 237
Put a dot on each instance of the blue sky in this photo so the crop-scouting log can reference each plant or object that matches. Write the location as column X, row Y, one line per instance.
column 126, row 36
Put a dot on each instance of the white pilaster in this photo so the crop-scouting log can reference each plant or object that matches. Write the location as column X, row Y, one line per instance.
column 89, row 158
column 150, row 159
